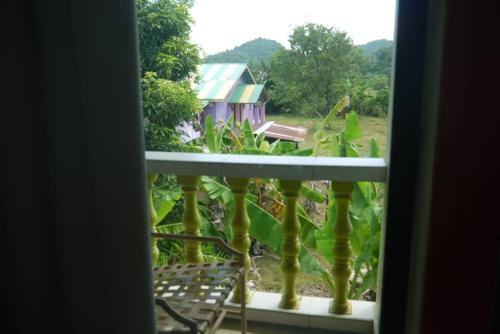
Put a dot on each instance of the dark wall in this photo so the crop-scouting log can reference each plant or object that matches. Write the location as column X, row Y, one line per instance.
column 464, row 234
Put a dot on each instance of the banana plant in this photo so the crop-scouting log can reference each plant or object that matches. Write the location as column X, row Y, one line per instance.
column 365, row 210
column 321, row 137
column 266, row 206
column 164, row 199
column 264, row 203
column 264, row 227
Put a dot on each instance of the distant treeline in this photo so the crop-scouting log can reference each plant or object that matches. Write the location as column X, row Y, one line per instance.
column 321, row 65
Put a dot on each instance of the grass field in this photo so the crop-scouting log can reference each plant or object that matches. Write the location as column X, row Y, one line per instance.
column 269, row 278
column 371, row 127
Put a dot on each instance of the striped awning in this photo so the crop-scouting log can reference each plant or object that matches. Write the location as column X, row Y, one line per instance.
column 246, row 94
column 217, row 80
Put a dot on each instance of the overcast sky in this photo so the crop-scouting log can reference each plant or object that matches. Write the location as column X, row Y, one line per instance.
column 224, row 24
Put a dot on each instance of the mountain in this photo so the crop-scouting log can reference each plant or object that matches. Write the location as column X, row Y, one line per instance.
column 371, row 47
column 254, row 51
column 378, row 57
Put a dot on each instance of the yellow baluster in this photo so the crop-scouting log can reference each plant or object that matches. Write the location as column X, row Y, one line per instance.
column 153, row 217
column 342, row 253
column 240, row 225
column 191, row 218
column 291, row 245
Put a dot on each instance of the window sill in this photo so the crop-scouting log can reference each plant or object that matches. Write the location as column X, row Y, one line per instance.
column 313, row 313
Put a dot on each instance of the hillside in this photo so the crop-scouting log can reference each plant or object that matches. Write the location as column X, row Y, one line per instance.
column 257, row 50
column 371, row 47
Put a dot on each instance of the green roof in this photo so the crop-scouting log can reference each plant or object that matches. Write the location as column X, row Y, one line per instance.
column 217, row 80
column 246, row 94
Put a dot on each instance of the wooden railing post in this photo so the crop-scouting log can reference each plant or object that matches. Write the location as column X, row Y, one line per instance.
column 291, row 245
column 240, row 225
column 153, row 217
column 191, row 218
column 342, row 252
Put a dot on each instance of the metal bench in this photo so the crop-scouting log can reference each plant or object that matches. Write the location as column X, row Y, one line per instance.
column 189, row 297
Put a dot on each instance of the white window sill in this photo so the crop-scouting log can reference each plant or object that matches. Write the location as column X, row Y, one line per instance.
column 313, row 313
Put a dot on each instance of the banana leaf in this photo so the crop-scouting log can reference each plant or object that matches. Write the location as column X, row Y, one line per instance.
column 344, row 102
column 264, row 146
column 283, row 147
column 225, row 129
column 216, row 190
column 324, row 237
column 252, row 151
column 273, row 146
column 320, row 136
column 312, row 194
column 264, row 227
column 191, row 149
column 260, row 139
column 306, row 152
column 307, row 228
column 351, row 130
column 334, row 147
column 373, row 149
column 210, row 134
column 164, row 200
column 176, row 228
column 267, row 229
column 248, row 136
column 208, row 228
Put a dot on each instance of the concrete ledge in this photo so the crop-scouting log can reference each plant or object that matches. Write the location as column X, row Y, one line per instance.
column 313, row 313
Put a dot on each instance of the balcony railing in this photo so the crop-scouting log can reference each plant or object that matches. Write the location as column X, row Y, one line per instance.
column 290, row 171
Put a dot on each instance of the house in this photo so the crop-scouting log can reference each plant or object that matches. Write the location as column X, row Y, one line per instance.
column 229, row 89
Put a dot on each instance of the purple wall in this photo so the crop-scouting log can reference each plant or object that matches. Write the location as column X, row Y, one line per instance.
column 210, row 109
column 220, row 111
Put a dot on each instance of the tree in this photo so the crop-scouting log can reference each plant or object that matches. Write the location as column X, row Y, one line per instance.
column 164, row 27
column 380, row 62
column 166, row 104
column 376, row 71
column 313, row 74
column 168, row 59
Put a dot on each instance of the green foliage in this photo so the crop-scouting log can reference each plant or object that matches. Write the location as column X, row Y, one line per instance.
column 164, row 200
column 365, row 210
column 248, row 136
column 311, row 194
column 166, row 104
column 371, row 95
column 164, row 27
column 312, row 75
column 264, row 227
column 372, row 91
column 167, row 59
column 264, row 203
column 167, row 200
column 254, row 51
column 373, row 46
column 351, row 130
column 321, row 66
column 380, row 62
column 210, row 135
column 321, row 138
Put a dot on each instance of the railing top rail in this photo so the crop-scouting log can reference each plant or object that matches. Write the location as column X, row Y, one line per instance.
column 281, row 167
